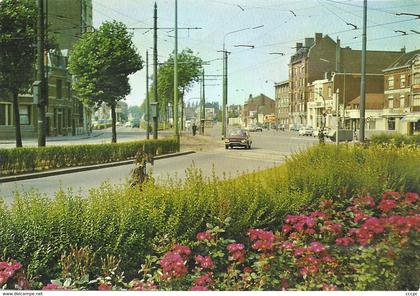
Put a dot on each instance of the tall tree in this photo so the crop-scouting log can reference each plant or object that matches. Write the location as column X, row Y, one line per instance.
column 101, row 62
column 189, row 71
column 17, row 51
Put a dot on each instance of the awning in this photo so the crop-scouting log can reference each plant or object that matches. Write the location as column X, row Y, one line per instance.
column 411, row 118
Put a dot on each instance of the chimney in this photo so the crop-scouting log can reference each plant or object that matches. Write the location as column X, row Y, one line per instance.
column 250, row 97
column 318, row 38
column 309, row 42
column 298, row 46
column 338, row 56
column 403, row 49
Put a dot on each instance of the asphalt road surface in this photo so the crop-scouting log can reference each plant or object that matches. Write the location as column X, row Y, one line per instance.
column 269, row 149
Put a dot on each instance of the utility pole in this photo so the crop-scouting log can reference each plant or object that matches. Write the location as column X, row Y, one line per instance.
column 147, row 97
column 363, row 77
column 155, row 84
column 176, row 74
column 41, row 74
column 337, row 111
column 203, row 104
column 337, row 70
column 225, row 92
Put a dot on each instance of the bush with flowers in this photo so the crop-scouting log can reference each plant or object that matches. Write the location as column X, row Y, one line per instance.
column 127, row 222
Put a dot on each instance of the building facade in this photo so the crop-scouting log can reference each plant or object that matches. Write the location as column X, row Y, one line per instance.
column 402, row 94
column 282, row 102
column 65, row 114
column 320, row 55
column 255, row 108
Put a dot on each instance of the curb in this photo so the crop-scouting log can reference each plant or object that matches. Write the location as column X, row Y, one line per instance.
column 83, row 168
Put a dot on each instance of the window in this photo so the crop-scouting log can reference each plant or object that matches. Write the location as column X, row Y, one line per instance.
column 416, row 100
column 391, row 123
column 5, row 114
column 390, row 82
column 371, row 124
column 390, row 102
column 402, row 80
column 25, row 114
column 402, row 101
column 416, row 79
column 59, row 88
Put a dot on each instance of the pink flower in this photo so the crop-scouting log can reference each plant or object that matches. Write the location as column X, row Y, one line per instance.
column 387, row 204
column 205, row 261
column 344, row 241
column 365, row 200
column 309, row 231
column 287, row 245
column 247, row 269
column 286, row 229
column 411, row 197
column 316, row 247
column 235, row 247
column 173, row 265
column 326, row 287
column 332, row 227
column 52, row 287
column 4, row 277
column 299, row 251
column 199, row 288
column 204, row 279
column 181, row 250
column 391, row 194
column 137, row 285
column 204, row 236
column 105, row 287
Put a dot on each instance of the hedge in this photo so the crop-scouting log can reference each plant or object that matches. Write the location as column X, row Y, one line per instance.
column 128, row 222
column 395, row 139
column 27, row 159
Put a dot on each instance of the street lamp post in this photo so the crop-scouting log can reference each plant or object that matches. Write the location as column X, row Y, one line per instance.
column 225, row 75
column 321, row 132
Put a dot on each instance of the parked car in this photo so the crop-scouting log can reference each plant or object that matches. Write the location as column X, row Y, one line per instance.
column 281, row 126
column 238, row 138
column 254, row 128
column 127, row 124
column 118, row 123
column 295, row 127
column 306, row 131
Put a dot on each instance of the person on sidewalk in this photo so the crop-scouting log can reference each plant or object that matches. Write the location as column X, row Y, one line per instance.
column 194, row 129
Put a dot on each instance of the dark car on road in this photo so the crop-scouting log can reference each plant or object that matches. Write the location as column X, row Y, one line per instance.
column 238, row 138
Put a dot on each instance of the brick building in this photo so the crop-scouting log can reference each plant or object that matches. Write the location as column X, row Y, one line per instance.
column 282, row 102
column 402, row 94
column 255, row 108
column 320, row 55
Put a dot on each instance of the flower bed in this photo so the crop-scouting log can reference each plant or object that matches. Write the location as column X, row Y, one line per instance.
column 362, row 243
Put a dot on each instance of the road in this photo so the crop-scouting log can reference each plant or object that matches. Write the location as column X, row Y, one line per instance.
column 269, row 149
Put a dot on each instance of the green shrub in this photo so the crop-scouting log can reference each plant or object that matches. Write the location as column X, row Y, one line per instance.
column 24, row 160
column 126, row 222
column 395, row 139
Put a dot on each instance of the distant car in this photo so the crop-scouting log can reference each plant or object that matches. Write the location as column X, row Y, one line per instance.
column 118, row 123
column 281, row 126
column 254, row 128
column 306, row 131
column 127, row 124
column 238, row 138
column 295, row 127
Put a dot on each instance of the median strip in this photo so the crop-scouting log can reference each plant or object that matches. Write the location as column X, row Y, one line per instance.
column 70, row 170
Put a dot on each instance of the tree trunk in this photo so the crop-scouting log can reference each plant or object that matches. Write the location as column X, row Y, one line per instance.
column 114, row 122
column 17, row 119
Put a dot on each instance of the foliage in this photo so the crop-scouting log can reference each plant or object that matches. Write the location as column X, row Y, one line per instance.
column 129, row 222
column 360, row 243
column 189, row 70
column 17, row 51
column 135, row 112
column 395, row 139
column 101, row 62
column 24, row 160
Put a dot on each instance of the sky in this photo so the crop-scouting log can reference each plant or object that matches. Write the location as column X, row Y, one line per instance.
column 285, row 22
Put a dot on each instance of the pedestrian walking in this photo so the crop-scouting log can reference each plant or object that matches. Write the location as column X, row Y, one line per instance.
column 194, row 129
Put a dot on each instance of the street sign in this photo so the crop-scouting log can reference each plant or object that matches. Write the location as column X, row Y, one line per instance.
column 36, row 91
column 153, row 109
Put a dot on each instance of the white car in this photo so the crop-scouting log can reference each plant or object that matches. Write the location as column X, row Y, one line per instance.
column 306, row 131
column 127, row 124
